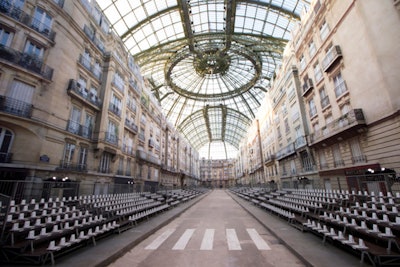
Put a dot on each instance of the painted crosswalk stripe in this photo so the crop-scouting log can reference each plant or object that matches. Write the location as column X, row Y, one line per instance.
column 159, row 240
column 182, row 242
column 208, row 240
column 232, row 239
column 257, row 239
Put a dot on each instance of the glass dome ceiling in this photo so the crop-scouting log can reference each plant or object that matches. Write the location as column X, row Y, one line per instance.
column 209, row 62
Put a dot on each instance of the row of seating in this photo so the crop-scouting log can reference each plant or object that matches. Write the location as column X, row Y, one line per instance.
column 362, row 218
column 55, row 230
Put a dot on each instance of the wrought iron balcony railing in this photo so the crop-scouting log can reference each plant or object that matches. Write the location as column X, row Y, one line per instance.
column 27, row 61
column 15, row 107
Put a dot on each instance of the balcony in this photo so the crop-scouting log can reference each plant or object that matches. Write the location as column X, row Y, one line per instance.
column 14, row 12
column 15, row 107
column 27, row 61
column 5, row 157
column 285, row 152
column 151, row 143
column 269, row 158
column 332, row 57
column 81, row 130
column 142, row 155
column 135, row 86
column 114, row 109
column 77, row 90
column 111, row 138
column 64, row 165
column 128, row 150
column 90, row 34
column 300, row 142
column 307, row 87
column 130, row 125
column 92, row 68
column 346, row 126
column 359, row 159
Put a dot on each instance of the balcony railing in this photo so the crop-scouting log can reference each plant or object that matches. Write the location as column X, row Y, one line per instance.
column 286, row 151
column 307, row 86
column 5, row 157
column 128, row 150
column 16, row 13
column 300, row 142
column 359, row 159
column 27, row 61
column 353, row 119
column 65, row 165
column 135, row 86
column 332, row 56
column 131, row 126
column 325, row 102
column 15, row 107
column 84, row 93
column 115, row 109
column 147, row 157
column 111, row 138
column 90, row 34
column 96, row 71
column 76, row 128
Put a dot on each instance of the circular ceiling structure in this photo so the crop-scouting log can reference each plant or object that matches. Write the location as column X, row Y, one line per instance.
column 209, row 62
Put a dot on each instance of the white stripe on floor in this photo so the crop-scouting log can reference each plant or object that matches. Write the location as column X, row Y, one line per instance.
column 257, row 239
column 208, row 240
column 182, row 242
column 232, row 239
column 159, row 240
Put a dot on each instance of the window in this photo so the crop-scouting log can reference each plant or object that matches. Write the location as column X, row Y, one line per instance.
column 278, row 129
column 306, row 161
column 302, row 62
column 128, row 167
column 19, row 98
column 115, row 105
column 83, row 158
column 324, row 98
column 337, row 156
column 312, row 49
column 293, row 167
column 324, row 30
column 313, row 109
column 357, row 155
column 97, row 69
column 74, row 122
column 340, row 85
column 322, row 160
column 105, row 162
column 6, row 139
column 317, row 73
column 87, row 128
column 287, row 127
column 33, row 50
column 121, row 166
column 112, row 133
column 42, row 21
column 119, row 81
column 86, row 59
column 6, row 37
column 345, row 109
column 69, row 151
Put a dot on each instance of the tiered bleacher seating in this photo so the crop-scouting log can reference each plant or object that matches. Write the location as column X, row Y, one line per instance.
column 37, row 232
column 365, row 224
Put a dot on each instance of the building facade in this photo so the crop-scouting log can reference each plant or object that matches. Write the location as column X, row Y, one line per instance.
column 74, row 106
column 334, row 116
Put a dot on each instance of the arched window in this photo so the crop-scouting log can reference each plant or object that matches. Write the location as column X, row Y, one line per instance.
column 6, row 139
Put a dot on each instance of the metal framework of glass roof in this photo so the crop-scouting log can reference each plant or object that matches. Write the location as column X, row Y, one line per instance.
column 210, row 62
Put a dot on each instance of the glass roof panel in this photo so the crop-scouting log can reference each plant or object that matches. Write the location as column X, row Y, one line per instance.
column 210, row 60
